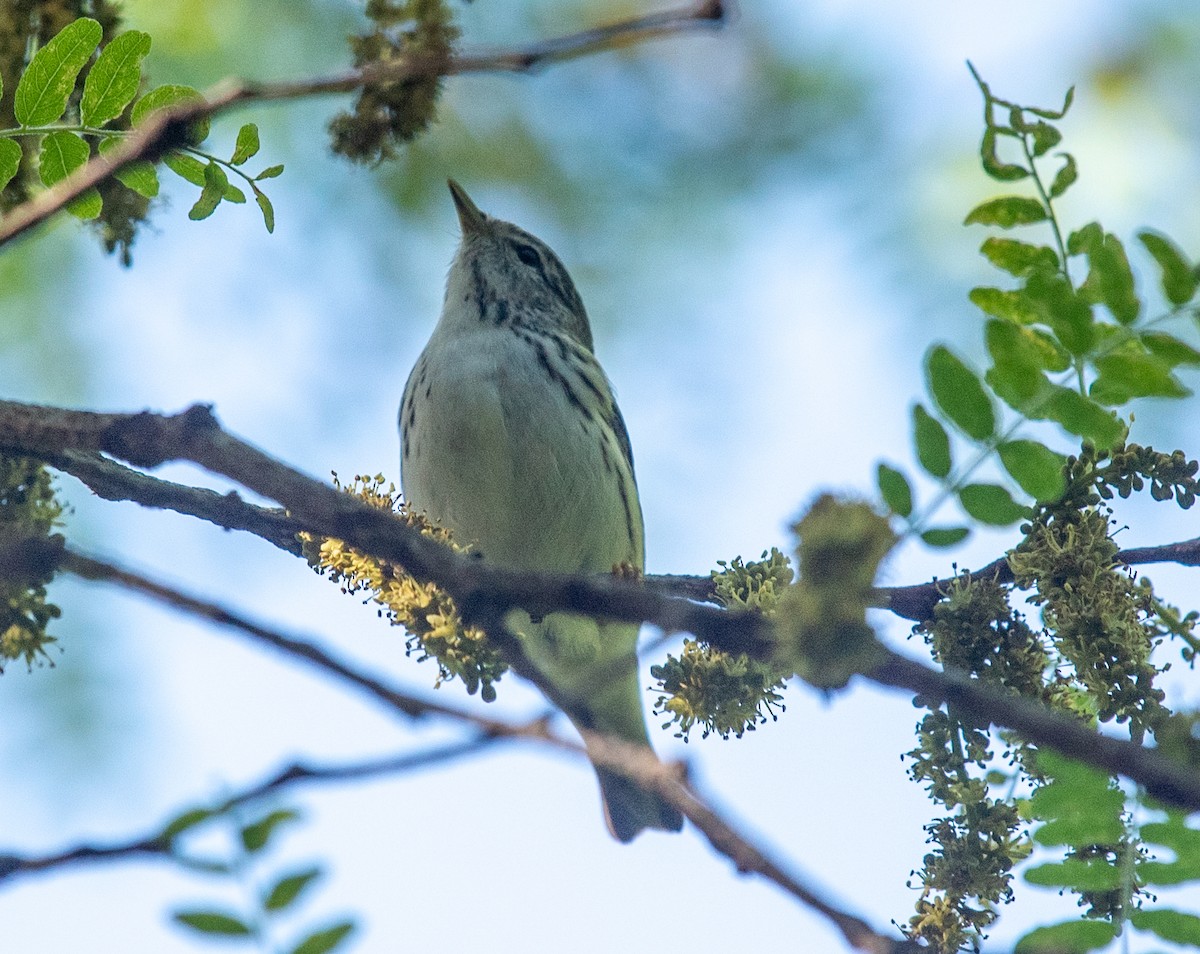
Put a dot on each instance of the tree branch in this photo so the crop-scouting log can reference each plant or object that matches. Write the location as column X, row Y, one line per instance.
column 484, row 592
column 636, row 762
column 167, row 128
column 1163, row 778
column 112, row 481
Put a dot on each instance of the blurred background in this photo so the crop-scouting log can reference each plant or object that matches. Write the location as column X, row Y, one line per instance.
column 765, row 224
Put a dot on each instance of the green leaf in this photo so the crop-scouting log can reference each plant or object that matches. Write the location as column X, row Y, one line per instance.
column 247, row 144
column 959, row 394
column 1179, row 278
column 1052, row 113
column 1184, row 842
column 1018, row 258
column 1013, row 305
column 256, row 835
column 163, row 97
column 1169, row 349
column 1081, row 416
column 288, row 888
column 325, row 940
column 895, row 490
column 1127, row 374
column 1085, row 238
column 1037, row 468
column 931, row 441
column 10, row 160
column 1111, row 279
column 1079, row 804
column 1010, row 343
column 1063, row 309
column 268, row 210
column 1065, row 177
column 113, row 81
column 185, row 166
column 1019, row 357
column 1173, row 926
column 991, row 504
column 1069, row 937
column 215, row 184
column 213, row 922
column 63, row 153
column 269, row 173
column 1093, row 875
column 1002, row 171
column 49, row 80
column 945, row 536
column 181, row 823
column 1007, row 212
column 1045, row 137
column 140, row 176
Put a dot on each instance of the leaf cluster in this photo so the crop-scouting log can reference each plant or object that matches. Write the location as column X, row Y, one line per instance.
column 389, row 112
column 77, row 96
column 1091, row 659
column 431, row 621
column 276, row 898
column 28, row 508
column 1066, row 352
column 1111, row 859
column 821, row 623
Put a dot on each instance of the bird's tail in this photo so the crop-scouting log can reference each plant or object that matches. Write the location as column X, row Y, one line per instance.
column 628, row 809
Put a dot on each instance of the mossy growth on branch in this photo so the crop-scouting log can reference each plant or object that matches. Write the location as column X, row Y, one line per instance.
column 28, row 509
column 390, row 112
column 428, row 614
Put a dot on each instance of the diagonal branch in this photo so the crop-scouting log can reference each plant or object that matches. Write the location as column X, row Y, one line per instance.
column 167, row 128
column 636, row 762
column 114, row 481
column 486, row 592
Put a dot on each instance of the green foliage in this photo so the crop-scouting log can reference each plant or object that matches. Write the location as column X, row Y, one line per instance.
column 1112, row 856
column 272, row 898
column 1061, row 351
column 1091, row 659
column 78, row 96
column 28, row 509
column 722, row 692
column 395, row 108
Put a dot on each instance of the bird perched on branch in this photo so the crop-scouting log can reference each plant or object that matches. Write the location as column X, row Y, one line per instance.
column 512, row 439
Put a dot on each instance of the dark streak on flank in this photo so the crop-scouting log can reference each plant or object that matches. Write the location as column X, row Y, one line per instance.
column 543, row 357
column 623, row 487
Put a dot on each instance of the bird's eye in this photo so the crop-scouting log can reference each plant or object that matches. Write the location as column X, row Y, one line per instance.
column 528, row 254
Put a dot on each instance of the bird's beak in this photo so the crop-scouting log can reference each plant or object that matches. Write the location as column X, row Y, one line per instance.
column 469, row 216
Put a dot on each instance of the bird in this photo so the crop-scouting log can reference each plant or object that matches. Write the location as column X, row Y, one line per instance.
column 512, row 439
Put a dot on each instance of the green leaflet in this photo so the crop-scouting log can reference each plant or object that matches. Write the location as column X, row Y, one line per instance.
column 49, row 80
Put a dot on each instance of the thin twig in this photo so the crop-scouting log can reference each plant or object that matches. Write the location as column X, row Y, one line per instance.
column 156, row 842
column 167, row 127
